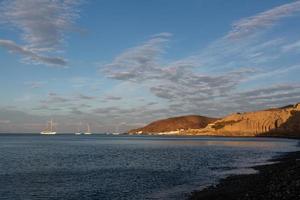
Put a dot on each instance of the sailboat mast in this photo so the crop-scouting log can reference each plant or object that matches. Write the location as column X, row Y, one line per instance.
column 49, row 129
column 51, row 125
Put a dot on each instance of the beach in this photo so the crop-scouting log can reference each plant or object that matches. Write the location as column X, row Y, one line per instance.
column 277, row 181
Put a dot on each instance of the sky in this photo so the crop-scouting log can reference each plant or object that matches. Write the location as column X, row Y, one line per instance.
column 119, row 64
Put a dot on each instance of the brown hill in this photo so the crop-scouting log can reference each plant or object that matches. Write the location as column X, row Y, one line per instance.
column 174, row 124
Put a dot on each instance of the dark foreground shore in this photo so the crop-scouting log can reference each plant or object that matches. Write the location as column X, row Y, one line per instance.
column 278, row 181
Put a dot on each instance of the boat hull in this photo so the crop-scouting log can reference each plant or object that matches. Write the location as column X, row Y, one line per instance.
column 48, row 133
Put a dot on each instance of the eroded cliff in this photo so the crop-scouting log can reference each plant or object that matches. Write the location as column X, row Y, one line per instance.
column 272, row 122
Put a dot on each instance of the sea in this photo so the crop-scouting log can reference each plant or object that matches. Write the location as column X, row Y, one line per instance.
column 105, row 167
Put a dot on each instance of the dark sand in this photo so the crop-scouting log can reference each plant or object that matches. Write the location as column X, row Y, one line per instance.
column 278, row 181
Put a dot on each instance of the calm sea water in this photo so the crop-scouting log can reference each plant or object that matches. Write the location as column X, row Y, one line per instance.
column 124, row 167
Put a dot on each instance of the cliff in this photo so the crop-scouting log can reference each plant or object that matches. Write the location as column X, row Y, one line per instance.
column 284, row 121
column 174, row 124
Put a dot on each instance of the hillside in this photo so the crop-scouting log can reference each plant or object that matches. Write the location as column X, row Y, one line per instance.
column 284, row 121
column 175, row 124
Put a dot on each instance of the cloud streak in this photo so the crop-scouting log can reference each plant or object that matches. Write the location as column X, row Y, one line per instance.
column 113, row 98
column 295, row 46
column 135, row 63
column 249, row 25
column 30, row 55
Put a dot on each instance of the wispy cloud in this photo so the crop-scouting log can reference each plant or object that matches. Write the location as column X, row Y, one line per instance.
column 208, row 82
column 271, row 96
column 85, row 97
column 251, row 49
column 187, row 89
column 42, row 25
column 113, row 98
column 295, row 46
column 42, row 22
column 35, row 84
column 177, row 82
column 140, row 62
column 54, row 98
column 249, row 25
column 31, row 56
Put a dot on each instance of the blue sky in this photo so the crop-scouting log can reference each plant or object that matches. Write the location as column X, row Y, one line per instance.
column 120, row 64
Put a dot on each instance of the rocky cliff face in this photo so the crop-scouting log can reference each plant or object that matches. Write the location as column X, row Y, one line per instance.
column 175, row 124
column 283, row 121
column 273, row 122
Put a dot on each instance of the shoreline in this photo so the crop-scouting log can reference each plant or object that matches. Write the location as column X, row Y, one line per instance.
column 275, row 181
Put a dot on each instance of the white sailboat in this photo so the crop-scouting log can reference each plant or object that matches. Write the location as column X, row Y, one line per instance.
column 88, row 132
column 116, row 131
column 49, row 129
column 78, row 130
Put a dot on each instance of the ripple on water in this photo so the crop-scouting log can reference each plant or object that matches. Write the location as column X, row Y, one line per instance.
column 102, row 167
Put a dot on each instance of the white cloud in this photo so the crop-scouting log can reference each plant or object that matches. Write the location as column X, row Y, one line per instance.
column 177, row 82
column 295, row 46
column 163, row 34
column 113, row 98
column 54, row 98
column 42, row 22
column 30, row 55
column 271, row 96
column 42, row 25
column 276, row 72
column 35, row 84
column 140, row 62
column 249, row 25
column 208, row 82
column 85, row 97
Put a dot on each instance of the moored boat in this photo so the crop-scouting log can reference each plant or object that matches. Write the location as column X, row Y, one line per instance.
column 88, row 132
column 49, row 129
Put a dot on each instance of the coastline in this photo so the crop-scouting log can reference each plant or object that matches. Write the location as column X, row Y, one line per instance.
column 276, row 181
